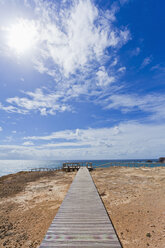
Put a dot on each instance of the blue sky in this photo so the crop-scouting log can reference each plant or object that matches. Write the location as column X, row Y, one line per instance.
column 82, row 79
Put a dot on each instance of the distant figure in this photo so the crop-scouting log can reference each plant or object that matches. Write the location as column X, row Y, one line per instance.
column 162, row 160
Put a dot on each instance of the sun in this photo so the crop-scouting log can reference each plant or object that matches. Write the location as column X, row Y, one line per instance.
column 22, row 36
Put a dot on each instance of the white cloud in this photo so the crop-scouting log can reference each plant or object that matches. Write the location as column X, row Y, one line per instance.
column 123, row 140
column 158, row 67
column 39, row 66
column 72, row 47
column 1, row 129
column 84, row 35
column 115, row 61
column 12, row 109
column 22, row 79
column 122, row 69
column 39, row 101
column 51, row 102
column 153, row 104
column 146, row 62
column 126, row 140
column 67, row 135
column 14, row 132
column 73, row 37
column 135, row 52
column 28, row 143
column 103, row 78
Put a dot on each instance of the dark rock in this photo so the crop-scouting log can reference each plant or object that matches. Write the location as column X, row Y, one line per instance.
column 148, row 235
column 162, row 160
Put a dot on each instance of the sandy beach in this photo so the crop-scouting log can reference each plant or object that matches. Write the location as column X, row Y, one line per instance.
column 134, row 199
column 28, row 204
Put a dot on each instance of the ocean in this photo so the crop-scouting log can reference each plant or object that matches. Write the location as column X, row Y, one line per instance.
column 13, row 166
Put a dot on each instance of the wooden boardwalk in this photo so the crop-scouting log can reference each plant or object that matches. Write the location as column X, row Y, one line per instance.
column 82, row 220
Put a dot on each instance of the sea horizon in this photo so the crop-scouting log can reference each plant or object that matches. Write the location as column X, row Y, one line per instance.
column 11, row 166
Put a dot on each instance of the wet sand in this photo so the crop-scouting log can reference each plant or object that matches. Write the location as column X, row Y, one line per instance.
column 134, row 198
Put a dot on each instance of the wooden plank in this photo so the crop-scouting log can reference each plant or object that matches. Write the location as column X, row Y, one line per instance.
column 82, row 220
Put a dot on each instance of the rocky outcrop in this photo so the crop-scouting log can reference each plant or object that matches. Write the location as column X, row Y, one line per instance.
column 162, row 160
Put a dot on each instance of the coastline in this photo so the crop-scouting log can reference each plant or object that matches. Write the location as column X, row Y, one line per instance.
column 133, row 197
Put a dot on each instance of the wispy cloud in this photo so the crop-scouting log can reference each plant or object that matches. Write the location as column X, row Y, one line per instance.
column 49, row 103
column 135, row 51
column 1, row 129
column 158, row 67
column 152, row 104
column 28, row 143
column 122, row 69
column 146, row 62
column 39, row 101
column 67, row 135
column 59, row 28
column 22, row 79
column 103, row 79
column 122, row 2
column 12, row 109
column 75, row 41
column 82, row 19
column 125, row 140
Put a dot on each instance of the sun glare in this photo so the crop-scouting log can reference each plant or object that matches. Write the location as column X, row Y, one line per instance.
column 22, row 36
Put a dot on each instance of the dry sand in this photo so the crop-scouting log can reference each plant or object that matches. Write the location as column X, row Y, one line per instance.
column 134, row 198
column 28, row 204
column 135, row 201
